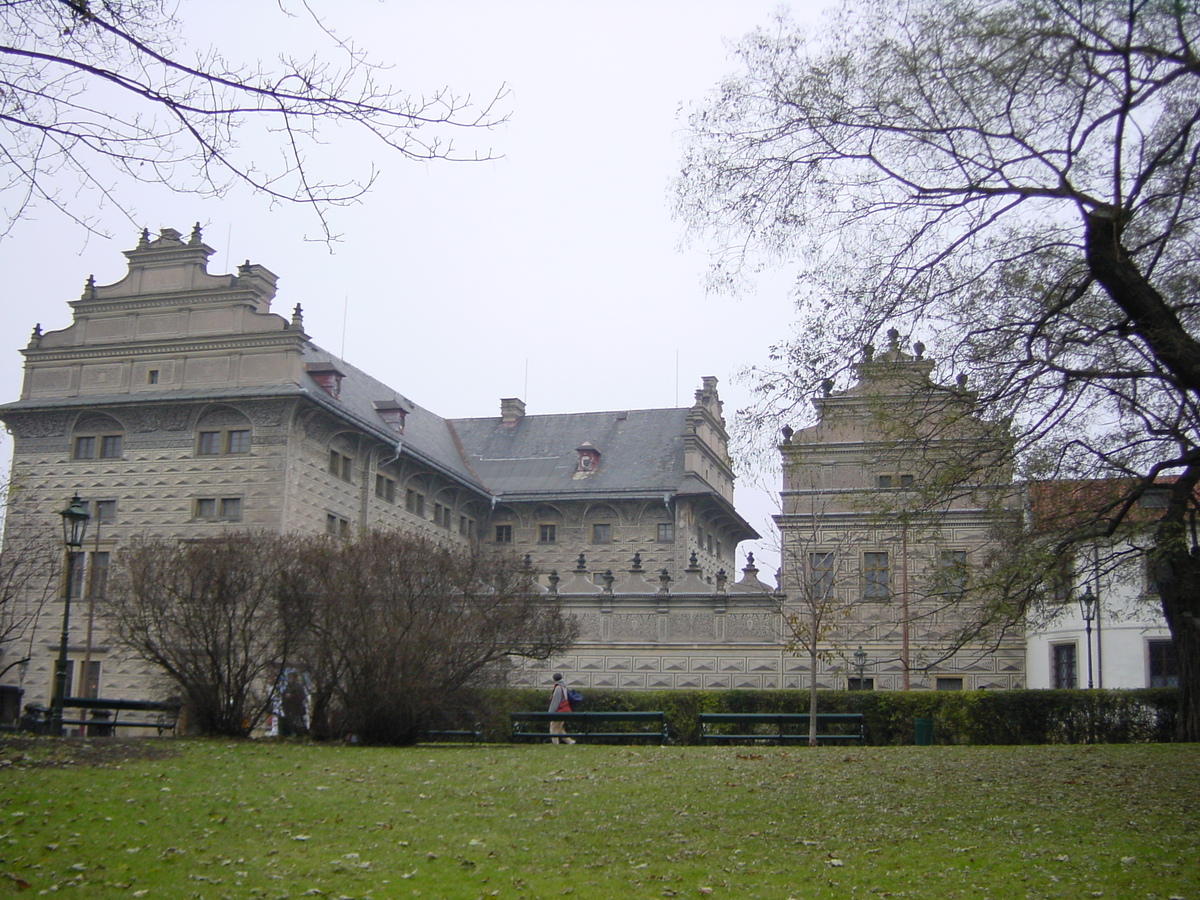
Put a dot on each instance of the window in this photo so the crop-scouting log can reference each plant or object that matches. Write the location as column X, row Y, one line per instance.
column 441, row 515
column 1164, row 668
column 91, row 679
column 104, row 512
column 890, row 481
column 883, row 482
column 219, row 508
column 466, row 526
column 666, row 532
column 1063, row 666
column 602, row 534
column 952, row 571
column 110, row 446
column 238, row 441
column 105, row 446
column 340, row 465
column 710, row 544
column 152, row 376
column 875, row 575
column 385, row 488
column 860, row 684
column 98, row 582
column 504, row 534
column 820, row 569
column 949, row 684
column 208, row 443
column 547, row 534
column 336, row 525
column 85, row 448
column 414, row 502
column 78, row 574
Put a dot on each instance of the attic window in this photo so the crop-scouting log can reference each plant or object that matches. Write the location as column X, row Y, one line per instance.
column 327, row 377
column 589, row 458
column 392, row 413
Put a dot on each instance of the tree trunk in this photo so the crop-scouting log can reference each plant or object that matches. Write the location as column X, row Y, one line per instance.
column 1176, row 562
column 812, row 691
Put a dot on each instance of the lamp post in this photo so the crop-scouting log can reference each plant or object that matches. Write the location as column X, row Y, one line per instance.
column 1088, row 605
column 74, row 524
column 860, row 663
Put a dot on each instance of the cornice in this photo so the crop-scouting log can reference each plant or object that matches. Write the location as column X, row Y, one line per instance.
column 132, row 348
column 176, row 298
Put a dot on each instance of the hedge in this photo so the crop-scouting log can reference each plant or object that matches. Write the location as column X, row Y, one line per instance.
column 959, row 717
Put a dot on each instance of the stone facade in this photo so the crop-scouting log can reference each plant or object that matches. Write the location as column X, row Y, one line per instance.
column 889, row 504
column 177, row 404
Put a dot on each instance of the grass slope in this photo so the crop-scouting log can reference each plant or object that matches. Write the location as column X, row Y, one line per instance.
column 280, row 820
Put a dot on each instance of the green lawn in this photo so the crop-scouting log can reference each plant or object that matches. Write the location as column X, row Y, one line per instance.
column 272, row 820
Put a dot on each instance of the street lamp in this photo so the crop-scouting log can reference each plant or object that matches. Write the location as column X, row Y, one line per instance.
column 860, row 662
column 74, row 524
column 1088, row 606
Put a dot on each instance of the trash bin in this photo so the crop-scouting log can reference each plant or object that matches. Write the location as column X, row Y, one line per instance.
column 924, row 732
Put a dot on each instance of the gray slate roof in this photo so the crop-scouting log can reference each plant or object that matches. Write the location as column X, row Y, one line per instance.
column 641, row 452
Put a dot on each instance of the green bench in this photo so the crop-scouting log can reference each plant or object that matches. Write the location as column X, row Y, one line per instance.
column 780, row 728
column 107, row 715
column 592, row 726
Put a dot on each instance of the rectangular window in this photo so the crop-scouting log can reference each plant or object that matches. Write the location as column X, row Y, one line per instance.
column 85, row 448
column 110, row 446
column 906, row 481
column 820, row 568
column 206, row 508
column 1063, row 672
column 710, row 544
column 1164, row 668
column 466, row 526
column 340, row 465
column 666, row 532
column 385, row 488
column 238, row 441
column 104, row 511
column 91, row 678
column 949, row 684
column 441, row 515
column 504, row 534
column 547, row 534
column 860, row 684
column 952, row 571
column 208, row 443
column 98, row 578
column 336, row 525
column 231, row 507
column 875, row 575
column 78, row 574
column 152, row 376
column 883, row 482
column 602, row 534
column 219, row 508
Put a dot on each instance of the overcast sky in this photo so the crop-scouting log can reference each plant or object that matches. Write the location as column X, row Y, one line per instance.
column 554, row 273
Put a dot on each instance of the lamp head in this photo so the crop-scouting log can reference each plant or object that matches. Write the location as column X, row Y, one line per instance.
column 74, row 520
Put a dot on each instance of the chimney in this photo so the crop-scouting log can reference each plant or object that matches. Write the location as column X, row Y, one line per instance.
column 512, row 410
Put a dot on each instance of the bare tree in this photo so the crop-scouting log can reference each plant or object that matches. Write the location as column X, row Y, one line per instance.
column 93, row 92
column 399, row 627
column 1014, row 180
column 209, row 614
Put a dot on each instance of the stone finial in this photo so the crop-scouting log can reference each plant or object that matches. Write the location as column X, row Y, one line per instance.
column 827, row 386
column 893, row 338
column 89, row 289
column 961, row 381
column 750, row 570
column 553, row 579
column 787, row 432
column 637, row 562
column 919, row 350
column 581, row 564
column 868, row 353
column 608, row 579
column 195, row 236
column 527, row 562
column 722, row 578
column 664, row 581
column 693, row 563
column 35, row 339
column 297, row 318
column 144, row 240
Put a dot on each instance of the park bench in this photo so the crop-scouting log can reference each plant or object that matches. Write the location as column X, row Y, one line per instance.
column 592, row 726
column 780, row 728
column 108, row 715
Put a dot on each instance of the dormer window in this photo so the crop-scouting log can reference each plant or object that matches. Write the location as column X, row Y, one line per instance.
column 327, row 376
column 589, row 459
column 392, row 413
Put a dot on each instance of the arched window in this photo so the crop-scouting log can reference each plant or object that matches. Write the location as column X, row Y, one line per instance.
column 97, row 437
column 223, row 431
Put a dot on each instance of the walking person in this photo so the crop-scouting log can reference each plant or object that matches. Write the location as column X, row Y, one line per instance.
column 559, row 702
